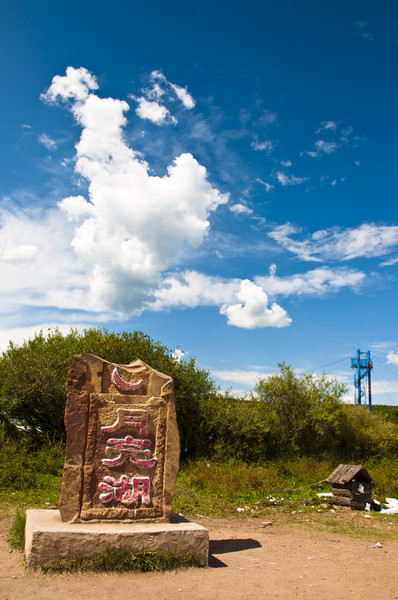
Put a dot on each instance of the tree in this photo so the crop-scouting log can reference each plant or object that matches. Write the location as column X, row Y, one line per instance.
column 304, row 409
column 33, row 375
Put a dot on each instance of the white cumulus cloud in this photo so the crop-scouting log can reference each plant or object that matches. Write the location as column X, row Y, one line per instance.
column 153, row 111
column 76, row 85
column 253, row 310
column 191, row 289
column 392, row 358
column 134, row 224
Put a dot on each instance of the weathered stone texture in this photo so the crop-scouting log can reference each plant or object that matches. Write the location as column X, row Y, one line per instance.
column 122, row 448
column 47, row 539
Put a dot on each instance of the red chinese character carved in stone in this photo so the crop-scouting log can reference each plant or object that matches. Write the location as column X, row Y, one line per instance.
column 135, row 449
column 130, row 418
column 125, row 490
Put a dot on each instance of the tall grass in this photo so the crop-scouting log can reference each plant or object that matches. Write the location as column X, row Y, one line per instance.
column 219, row 488
column 30, row 475
column 16, row 537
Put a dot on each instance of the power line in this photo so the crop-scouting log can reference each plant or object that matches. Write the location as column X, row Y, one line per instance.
column 386, row 368
column 379, row 381
column 327, row 365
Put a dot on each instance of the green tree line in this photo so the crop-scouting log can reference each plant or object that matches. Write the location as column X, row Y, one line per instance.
column 286, row 415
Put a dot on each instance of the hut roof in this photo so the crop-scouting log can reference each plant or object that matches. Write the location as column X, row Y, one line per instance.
column 344, row 473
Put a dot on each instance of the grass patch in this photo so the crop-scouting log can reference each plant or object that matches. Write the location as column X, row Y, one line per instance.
column 30, row 476
column 283, row 490
column 16, row 537
column 286, row 492
column 225, row 488
column 220, row 489
column 124, row 560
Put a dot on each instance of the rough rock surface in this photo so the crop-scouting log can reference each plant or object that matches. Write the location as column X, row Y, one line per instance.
column 122, row 447
column 47, row 539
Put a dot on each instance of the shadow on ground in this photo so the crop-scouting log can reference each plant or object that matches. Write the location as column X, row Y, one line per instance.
column 229, row 545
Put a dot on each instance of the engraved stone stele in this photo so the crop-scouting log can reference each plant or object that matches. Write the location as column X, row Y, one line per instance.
column 122, row 443
column 121, row 464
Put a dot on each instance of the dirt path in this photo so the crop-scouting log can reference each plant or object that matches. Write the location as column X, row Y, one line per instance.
column 247, row 562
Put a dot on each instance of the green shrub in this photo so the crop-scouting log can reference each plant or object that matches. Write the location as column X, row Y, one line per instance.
column 33, row 376
column 286, row 416
column 23, row 465
column 291, row 416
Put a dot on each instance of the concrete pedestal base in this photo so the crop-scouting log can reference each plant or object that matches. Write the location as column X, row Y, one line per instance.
column 47, row 538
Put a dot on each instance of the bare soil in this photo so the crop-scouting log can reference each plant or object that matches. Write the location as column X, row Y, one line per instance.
column 247, row 561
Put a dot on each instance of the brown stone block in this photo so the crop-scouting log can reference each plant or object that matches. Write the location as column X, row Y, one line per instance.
column 122, row 433
column 48, row 539
column 70, row 500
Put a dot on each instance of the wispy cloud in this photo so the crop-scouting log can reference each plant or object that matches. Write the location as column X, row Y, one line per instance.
column 47, row 141
column 242, row 377
column 285, row 179
column 241, row 209
column 327, row 126
column 317, row 282
column 267, row 118
column 27, row 129
column 323, row 147
column 268, row 186
column 336, row 136
column 368, row 240
column 390, row 262
column 151, row 105
column 361, row 28
column 265, row 146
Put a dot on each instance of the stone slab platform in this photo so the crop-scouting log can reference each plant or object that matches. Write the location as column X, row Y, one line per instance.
column 47, row 538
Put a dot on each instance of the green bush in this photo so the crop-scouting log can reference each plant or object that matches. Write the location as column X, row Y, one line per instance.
column 23, row 465
column 286, row 416
column 290, row 416
column 33, row 375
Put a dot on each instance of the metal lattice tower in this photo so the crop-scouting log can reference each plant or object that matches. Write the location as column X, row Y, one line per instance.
column 362, row 364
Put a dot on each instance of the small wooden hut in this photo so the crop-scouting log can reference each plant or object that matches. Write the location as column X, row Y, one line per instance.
column 351, row 486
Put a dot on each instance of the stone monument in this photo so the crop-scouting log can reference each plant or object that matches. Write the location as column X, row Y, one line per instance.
column 122, row 448
column 121, row 465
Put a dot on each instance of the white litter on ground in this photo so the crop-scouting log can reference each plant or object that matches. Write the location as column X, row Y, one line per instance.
column 391, row 506
column 325, row 495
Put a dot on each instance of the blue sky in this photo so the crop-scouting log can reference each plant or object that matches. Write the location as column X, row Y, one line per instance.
column 221, row 176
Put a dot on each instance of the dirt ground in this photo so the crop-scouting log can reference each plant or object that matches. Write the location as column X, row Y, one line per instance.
column 247, row 561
